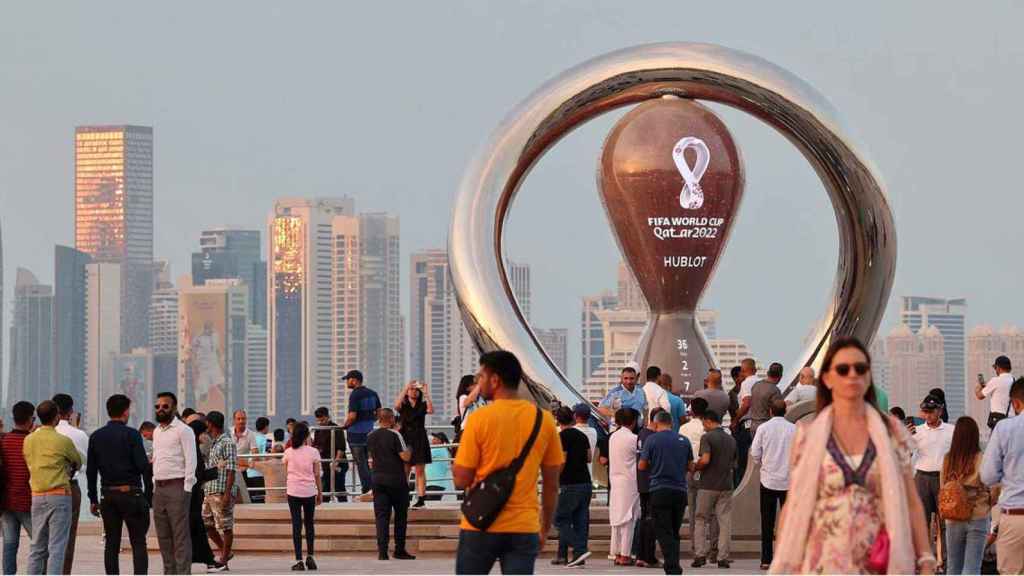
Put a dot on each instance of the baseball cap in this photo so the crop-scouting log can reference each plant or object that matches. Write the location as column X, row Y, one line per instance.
column 353, row 374
column 1002, row 362
column 581, row 409
column 931, row 402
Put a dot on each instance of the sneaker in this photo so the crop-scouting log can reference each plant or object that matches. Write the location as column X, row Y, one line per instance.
column 765, row 566
column 724, row 564
column 579, row 559
column 420, row 503
column 698, row 562
column 216, row 567
column 382, row 556
column 611, row 556
column 310, row 563
column 559, row 561
column 403, row 555
column 298, row 566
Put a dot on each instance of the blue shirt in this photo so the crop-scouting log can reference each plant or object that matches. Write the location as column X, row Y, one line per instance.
column 667, row 454
column 678, row 408
column 635, row 399
column 365, row 403
column 1004, row 461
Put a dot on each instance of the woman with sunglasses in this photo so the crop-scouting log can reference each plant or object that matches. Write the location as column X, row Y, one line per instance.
column 865, row 514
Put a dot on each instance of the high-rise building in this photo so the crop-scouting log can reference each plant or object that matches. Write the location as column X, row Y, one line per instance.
column 103, row 290
column 621, row 331
column 383, row 342
column 630, row 296
column 163, row 330
column 69, row 330
column 256, row 371
column 213, row 324
column 916, row 364
column 879, row 364
column 347, row 281
column 519, row 279
column 31, row 374
column 947, row 315
column 132, row 376
column 729, row 352
column 592, row 331
column 983, row 346
column 555, row 342
column 300, row 295
column 226, row 253
column 441, row 350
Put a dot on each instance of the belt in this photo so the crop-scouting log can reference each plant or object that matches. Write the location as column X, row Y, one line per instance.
column 121, row 489
column 1013, row 511
column 62, row 491
column 170, row 482
column 923, row 473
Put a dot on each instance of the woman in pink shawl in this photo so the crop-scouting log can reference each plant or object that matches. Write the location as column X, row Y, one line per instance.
column 865, row 516
column 624, row 506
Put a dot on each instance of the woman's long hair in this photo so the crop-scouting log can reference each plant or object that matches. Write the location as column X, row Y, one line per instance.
column 959, row 462
column 824, row 394
column 299, row 435
column 464, row 385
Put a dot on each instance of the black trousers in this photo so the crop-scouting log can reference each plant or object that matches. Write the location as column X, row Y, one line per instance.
column 385, row 500
column 771, row 502
column 301, row 510
column 201, row 551
column 125, row 509
column 927, row 484
column 743, row 442
column 667, row 507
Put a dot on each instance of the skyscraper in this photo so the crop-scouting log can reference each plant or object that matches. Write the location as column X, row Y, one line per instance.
column 213, row 325
column 226, row 253
column 947, row 315
column 31, row 340
column 519, row 279
column 383, row 332
column 114, row 214
column 555, row 342
column 69, row 328
column 630, row 296
column 347, row 308
column 592, row 331
column 163, row 332
column 300, row 294
column 103, row 310
column 256, row 371
column 916, row 364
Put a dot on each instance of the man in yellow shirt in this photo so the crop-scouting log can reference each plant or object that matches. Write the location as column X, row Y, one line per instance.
column 52, row 460
column 492, row 439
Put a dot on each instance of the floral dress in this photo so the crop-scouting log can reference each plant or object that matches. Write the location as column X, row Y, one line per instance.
column 848, row 513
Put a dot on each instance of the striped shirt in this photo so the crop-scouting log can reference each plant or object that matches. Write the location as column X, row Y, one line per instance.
column 17, row 495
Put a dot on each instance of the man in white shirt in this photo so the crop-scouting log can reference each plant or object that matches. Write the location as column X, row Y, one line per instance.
column 66, row 409
column 997, row 390
column 805, row 388
column 174, row 476
column 581, row 414
column 654, row 393
column 770, row 449
column 741, row 427
column 245, row 441
column 933, row 440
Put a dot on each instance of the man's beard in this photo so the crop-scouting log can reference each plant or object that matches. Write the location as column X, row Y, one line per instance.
column 164, row 417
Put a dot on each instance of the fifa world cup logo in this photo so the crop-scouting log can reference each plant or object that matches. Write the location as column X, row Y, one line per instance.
column 692, row 196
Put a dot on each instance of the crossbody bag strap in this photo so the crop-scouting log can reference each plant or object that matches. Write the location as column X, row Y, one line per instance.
column 517, row 464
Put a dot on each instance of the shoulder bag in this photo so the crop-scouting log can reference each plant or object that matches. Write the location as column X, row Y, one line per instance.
column 485, row 500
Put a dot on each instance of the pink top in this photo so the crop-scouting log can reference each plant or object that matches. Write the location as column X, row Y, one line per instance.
column 301, row 479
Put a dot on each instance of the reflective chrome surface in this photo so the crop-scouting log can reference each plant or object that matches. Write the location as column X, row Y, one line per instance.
column 867, row 238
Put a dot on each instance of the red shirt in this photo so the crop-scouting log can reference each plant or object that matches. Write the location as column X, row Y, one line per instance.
column 17, row 496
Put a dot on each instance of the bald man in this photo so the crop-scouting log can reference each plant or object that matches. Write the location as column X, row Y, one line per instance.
column 717, row 399
column 805, row 388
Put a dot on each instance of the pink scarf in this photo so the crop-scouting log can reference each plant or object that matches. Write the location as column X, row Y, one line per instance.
column 796, row 515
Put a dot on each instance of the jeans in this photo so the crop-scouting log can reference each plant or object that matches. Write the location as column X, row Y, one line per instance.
column 76, row 508
column 771, row 502
column 572, row 518
column 743, row 441
column 667, row 507
column 51, row 525
column 129, row 509
column 644, row 544
column 478, row 551
column 385, row 500
column 362, row 462
column 13, row 522
column 301, row 510
column 965, row 545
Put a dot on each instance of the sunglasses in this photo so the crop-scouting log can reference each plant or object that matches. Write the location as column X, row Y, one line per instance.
column 162, row 406
column 861, row 368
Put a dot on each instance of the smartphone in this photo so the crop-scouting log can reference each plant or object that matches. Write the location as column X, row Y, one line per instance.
column 981, row 378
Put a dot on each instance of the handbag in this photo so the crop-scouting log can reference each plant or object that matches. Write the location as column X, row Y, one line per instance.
column 878, row 555
column 995, row 417
column 485, row 500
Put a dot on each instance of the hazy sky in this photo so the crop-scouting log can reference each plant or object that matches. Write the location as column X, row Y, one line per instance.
column 387, row 102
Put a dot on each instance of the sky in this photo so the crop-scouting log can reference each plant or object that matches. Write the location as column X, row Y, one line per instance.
column 388, row 101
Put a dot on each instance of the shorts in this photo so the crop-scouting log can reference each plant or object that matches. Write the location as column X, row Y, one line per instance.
column 216, row 515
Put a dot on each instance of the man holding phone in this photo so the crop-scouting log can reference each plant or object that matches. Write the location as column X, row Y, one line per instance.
column 997, row 390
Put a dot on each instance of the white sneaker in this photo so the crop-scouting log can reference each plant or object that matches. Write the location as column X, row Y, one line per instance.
column 579, row 559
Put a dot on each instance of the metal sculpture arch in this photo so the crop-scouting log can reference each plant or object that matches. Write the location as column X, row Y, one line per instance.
column 867, row 238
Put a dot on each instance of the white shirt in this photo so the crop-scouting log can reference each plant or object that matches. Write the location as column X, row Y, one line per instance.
column 79, row 439
column 998, row 393
column 746, row 390
column 770, row 449
column 656, row 398
column 591, row 435
column 692, row 431
column 174, row 453
column 932, row 446
column 802, row 393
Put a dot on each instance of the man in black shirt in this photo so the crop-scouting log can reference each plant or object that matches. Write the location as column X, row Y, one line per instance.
column 117, row 454
column 572, row 516
column 322, row 442
column 388, row 457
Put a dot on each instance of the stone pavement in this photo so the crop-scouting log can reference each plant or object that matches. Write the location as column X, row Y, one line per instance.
column 89, row 560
